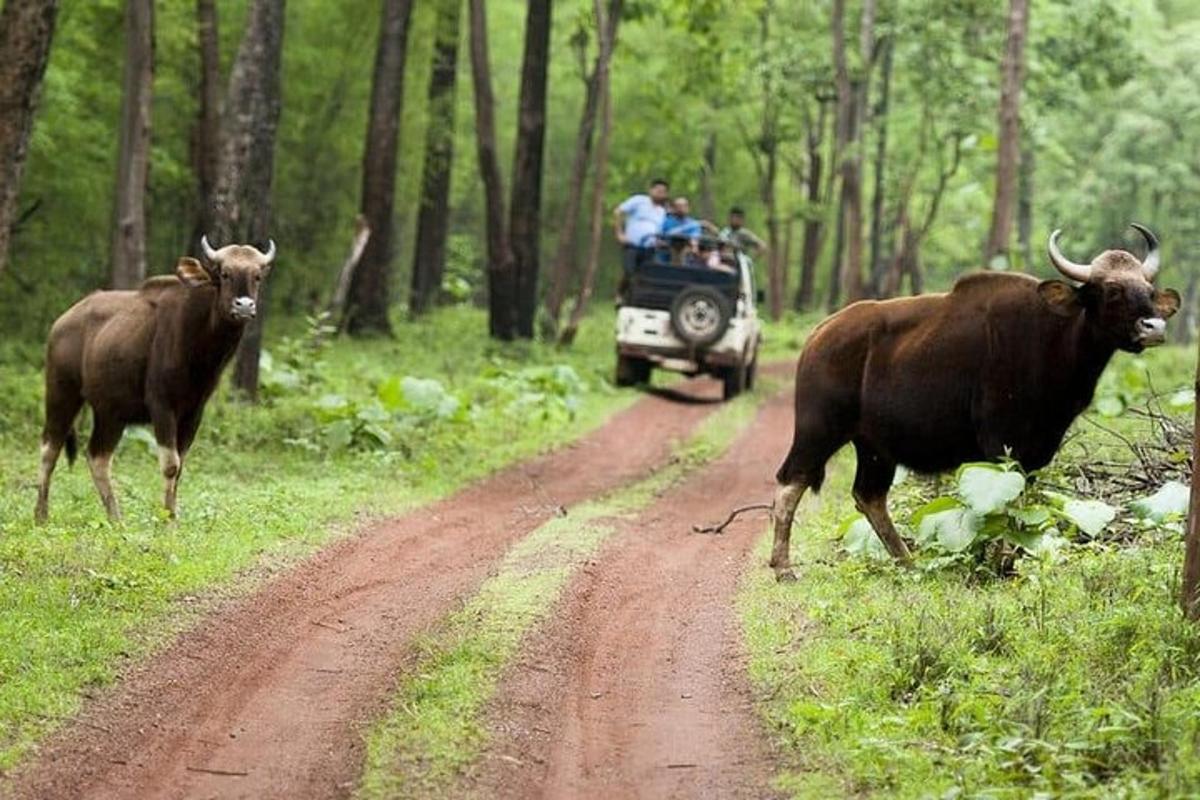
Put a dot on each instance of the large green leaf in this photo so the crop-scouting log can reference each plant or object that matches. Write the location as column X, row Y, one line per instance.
column 954, row 529
column 1090, row 516
column 1171, row 500
column 987, row 488
column 927, row 533
column 859, row 539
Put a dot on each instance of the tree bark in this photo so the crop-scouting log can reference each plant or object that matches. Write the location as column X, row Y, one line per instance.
column 525, row 205
column 708, row 171
column 564, row 256
column 813, row 226
column 370, row 289
column 1008, row 150
column 26, row 30
column 1189, row 597
column 598, row 216
column 128, row 251
column 843, row 134
column 878, row 257
column 768, row 171
column 1025, row 194
column 433, row 219
column 242, row 195
column 206, row 137
column 501, row 280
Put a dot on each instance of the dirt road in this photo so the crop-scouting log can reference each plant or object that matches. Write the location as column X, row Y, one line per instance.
column 636, row 687
column 267, row 697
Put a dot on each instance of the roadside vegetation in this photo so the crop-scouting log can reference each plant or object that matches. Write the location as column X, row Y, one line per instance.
column 1036, row 650
column 344, row 429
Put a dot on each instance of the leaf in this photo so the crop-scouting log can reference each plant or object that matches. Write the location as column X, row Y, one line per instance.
column 428, row 396
column 954, row 529
column 1182, row 400
column 859, row 539
column 1109, row 406
column 1031, row 516
column 1171, row 500
column 1090, row 516
column 986, row 488
column 932, row 507
column 391, row 394
column 339, row 434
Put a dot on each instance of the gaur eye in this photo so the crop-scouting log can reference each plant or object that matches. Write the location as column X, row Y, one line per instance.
column 1114, row 291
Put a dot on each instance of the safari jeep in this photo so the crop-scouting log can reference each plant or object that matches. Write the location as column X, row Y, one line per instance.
column 692, row 313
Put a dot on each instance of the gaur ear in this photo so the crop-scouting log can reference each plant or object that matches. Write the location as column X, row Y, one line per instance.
column 191, row 272
column 1062, row 298
column 1166, row 301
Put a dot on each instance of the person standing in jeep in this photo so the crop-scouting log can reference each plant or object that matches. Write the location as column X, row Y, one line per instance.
column 638, row 220
column 741, row 236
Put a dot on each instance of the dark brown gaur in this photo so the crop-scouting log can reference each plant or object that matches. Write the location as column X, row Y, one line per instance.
column 152, row 355
column 1000, row 364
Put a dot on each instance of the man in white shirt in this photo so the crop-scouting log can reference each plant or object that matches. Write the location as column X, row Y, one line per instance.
column 638, row 220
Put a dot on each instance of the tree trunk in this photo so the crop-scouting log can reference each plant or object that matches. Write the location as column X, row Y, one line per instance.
column 370, row 289
column 856, row 93
column 525, row 206
column 564, row 257
column 206, row 138
column 768, row 145
column 599, row 179
column 1008, row 150
column 1189, row 597
column 843, row 134
column 133, row 152
column 26, row 30
column 1025, row 196
column 242, row 195
column 708, row 171
column 501, row 278
column 878, row 257
column 815, row 211
column 433, row 220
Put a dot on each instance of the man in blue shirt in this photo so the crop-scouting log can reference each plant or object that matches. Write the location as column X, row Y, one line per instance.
column 680, row 222
column 638, row 221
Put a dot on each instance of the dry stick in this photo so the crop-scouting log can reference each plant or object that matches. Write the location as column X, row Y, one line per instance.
column 362, row 232
column 227, row 772
column 732, row 516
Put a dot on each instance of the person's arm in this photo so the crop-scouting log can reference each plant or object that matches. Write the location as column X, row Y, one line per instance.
column 710, row 227
column 619, row 224
column 758, row 243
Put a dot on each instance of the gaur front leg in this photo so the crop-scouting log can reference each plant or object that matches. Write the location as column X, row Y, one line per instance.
column 170, row 462
column 871, row 483
column 783, row 513
column 106, row 435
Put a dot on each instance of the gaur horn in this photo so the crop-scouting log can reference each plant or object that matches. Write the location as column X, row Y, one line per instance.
column 1151, row 262
column 212, row 255
column 1076, row 272
column 268, row 256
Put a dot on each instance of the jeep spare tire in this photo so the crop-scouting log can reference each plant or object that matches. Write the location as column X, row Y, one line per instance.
column 700, row 315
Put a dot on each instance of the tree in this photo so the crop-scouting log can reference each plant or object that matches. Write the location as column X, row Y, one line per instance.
column 878, row 257
column 133, row 150
column 1008, row 149
column 843, row 135
column 206, row 136
column 814, row 204
column 564, row 257
column 525, row 206
column 766, row 164
column 26, row 30
column 501, row 277
column 433, row 220
column 597, row 213
column 242, row 194
column 370, row 288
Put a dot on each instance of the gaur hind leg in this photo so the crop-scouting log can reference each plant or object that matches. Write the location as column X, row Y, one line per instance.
column 62, row 406
column 106, row 435
column 813, row 444
column 783, row 513
column 170, row 458
column 872, row 481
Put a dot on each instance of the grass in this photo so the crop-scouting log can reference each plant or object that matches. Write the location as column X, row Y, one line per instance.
column 1075, row 678
column 435, row 729
column 265, row 485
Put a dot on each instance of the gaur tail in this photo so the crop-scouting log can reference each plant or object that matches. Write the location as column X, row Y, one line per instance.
column 72, row 445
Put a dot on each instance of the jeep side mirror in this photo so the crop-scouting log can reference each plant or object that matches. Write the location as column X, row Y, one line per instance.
column 760, row 296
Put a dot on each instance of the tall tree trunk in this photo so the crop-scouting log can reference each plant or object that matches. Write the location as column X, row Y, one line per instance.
column 1008, row 150
column 565, row 254
column 242, row 195
column 857, row 110
column 501, row 277
column 597, row 212
column 815, row 211
column 768, row 145
column 878, row 257
column 206, row 138
column 26, row 30
column 843, row 134
column 1025, row 195
column 708, row 171
column 525, row 206
column 133, row 152
column 433, row 220
column 1189, row 596
column 370, row 289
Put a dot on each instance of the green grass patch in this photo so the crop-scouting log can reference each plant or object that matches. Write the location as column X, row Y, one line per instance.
column 1075, row 678
column 264, row 485
column 435, row 728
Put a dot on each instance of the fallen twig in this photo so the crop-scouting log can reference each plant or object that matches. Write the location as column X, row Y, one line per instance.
column 732, row 516
column 232, row 773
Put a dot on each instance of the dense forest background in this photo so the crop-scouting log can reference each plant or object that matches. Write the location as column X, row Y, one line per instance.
column 735, row 102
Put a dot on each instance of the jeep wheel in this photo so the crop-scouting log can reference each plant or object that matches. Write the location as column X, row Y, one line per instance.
column 751, row 371
column 700, row 315
column 632, row 371
column 735, row 381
